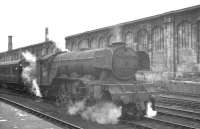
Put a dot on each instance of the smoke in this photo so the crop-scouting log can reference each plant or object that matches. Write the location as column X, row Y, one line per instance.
column 35, row 88
column 61, row 46
column 150, row 112
column 29, row 73
column 75, row 108
column 102, row 113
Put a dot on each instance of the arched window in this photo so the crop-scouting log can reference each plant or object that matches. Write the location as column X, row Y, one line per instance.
column 142, row 39
column 111, row 39
column 129, row 38
column 184, row 35
column 73, row 45
column 102, row 43
column 93, row 43
column 83, row 44
column 158, row 39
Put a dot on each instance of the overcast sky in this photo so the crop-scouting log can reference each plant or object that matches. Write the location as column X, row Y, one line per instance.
column 26, row 19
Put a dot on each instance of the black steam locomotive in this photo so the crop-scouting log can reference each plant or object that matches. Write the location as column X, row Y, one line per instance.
column 105, row 74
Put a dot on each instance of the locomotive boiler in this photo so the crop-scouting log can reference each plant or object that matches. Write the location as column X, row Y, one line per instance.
column 118, row 63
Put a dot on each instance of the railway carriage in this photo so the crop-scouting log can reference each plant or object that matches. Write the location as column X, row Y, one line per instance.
column 10, row 73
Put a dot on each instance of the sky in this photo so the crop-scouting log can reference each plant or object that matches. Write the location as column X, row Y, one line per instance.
column 26, row 20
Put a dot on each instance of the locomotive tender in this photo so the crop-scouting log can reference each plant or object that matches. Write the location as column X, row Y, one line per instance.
column 105, row 74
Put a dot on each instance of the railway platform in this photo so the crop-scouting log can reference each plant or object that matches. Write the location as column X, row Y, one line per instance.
column 14, row 118
column 52, row 110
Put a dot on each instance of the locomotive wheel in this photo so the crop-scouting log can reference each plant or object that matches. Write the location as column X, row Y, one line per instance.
column 129, row 111
column 140, row 110
column 62, row 95
column 106, row 96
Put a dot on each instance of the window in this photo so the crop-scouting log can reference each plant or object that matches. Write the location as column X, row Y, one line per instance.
column 14, row 69
column 102, row 43
column 184, row 35
column 43, row 51
column 129, row 38
column 158, row 40
column 93, row 43
column 111, row 40
column 83, row 44
column 142, row 39
column 73, row 46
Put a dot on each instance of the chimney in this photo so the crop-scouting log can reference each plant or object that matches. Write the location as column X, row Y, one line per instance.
column 46, row 34
column 10, row 45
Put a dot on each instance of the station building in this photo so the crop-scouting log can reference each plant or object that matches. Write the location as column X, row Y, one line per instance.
column 170, row 39
column 39, row 50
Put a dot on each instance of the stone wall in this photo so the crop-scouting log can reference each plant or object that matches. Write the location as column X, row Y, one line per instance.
column 171, row 40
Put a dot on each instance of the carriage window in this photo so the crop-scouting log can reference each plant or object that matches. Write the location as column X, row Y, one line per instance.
column 14, row 69
column 39, row 52
column 6, row 70
column 43, row 51
column 1, row 70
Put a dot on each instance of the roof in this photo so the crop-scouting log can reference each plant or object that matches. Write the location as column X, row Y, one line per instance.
column 38, row 44
column 139, row 20
column 10, row 62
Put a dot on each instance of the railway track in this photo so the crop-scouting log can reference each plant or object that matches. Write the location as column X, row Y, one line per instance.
column 45, row 116
column 170, row 117
column 190, row 102
column 165, row 121
column 179, row 111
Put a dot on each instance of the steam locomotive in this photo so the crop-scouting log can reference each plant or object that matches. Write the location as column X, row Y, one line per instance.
column 104, row 74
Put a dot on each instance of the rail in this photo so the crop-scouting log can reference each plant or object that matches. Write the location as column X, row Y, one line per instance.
column 45, row 116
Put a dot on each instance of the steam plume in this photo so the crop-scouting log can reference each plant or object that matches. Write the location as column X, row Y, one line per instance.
column 35, row 88
column 150, row 112
column 29, row 73
column 60, row 47
column 102, row 113
column 76, row 107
